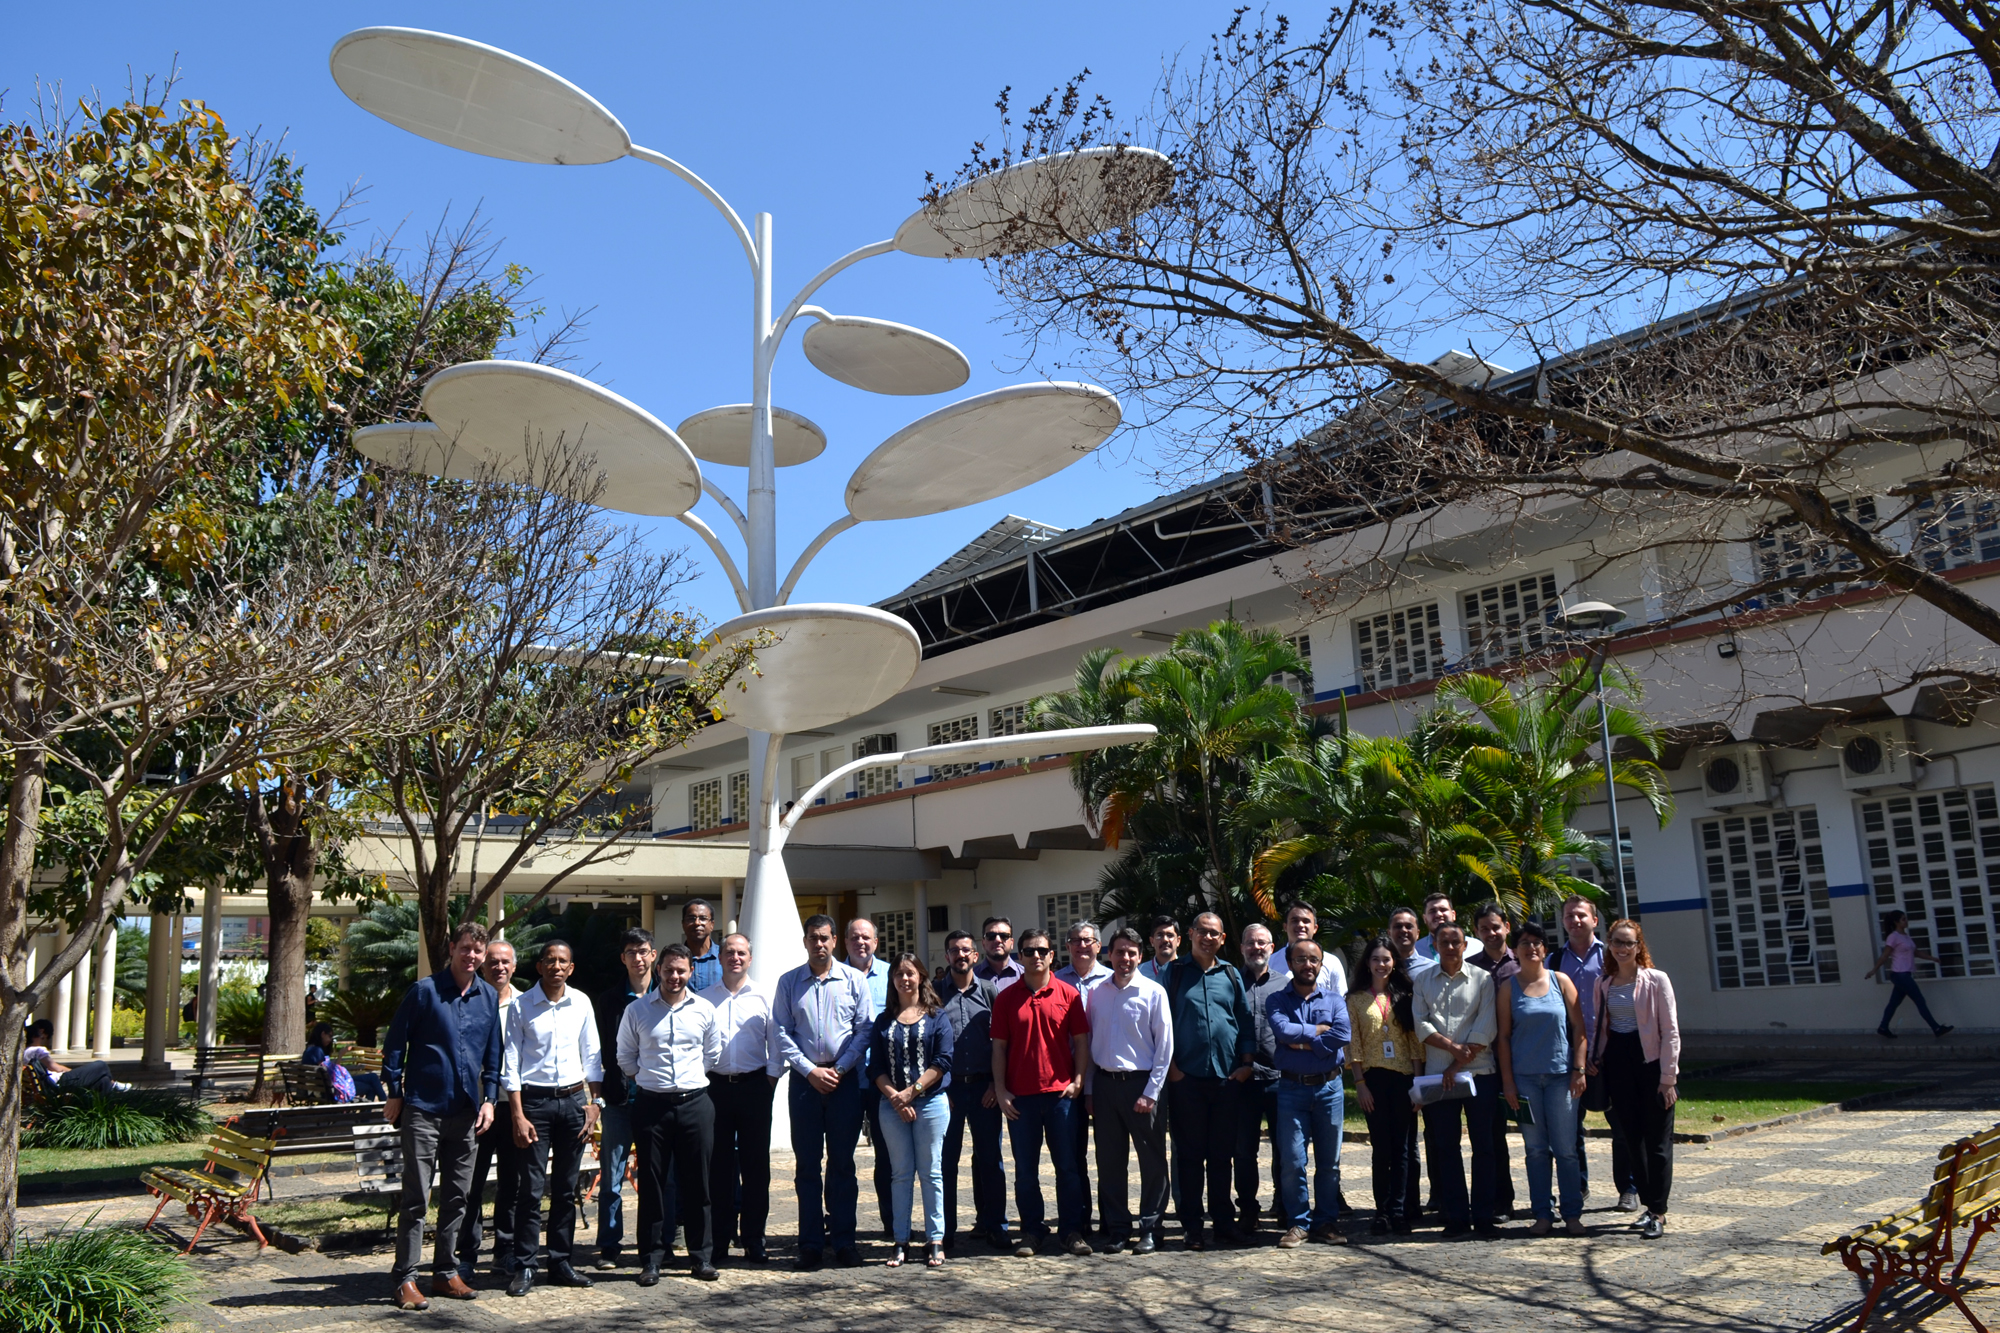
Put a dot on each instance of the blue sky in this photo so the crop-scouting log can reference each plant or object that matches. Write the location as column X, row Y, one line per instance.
column 826, row 116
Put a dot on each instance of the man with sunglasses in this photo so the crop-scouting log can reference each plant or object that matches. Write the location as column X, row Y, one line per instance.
column 999, row 966
column 1041, row 1049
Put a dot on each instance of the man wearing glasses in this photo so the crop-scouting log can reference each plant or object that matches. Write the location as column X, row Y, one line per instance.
column 968, row 1007
column 1085, row 973
column 999, row 966
column 1041, row 1048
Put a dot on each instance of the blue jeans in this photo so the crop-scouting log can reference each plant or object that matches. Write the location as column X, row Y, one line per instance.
column 1551, row 1137
column 1052, row 1116
column 916, row 1156
column 1309, row 1115
column 989, row 1177
column 828, row 1123
column 1904, row 984
column 612, row 1153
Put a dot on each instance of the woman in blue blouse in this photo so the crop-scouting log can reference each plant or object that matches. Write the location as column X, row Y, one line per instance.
column 909, row 1058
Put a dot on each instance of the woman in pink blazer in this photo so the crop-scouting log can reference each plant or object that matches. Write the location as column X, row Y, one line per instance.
column 1637, row 1048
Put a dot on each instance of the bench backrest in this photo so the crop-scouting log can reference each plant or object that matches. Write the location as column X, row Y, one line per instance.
column 378, row 1157
column 1967, row 1179
column 248, row 1058
column 361, row 1059
column 305, row 1085
column 239, row 1154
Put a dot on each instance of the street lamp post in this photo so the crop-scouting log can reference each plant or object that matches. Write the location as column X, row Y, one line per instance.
column 1603, row 617
column 818, row 664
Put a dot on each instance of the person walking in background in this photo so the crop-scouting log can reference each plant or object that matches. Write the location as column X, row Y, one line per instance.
column 741, row 1087
column 1215, row 1041
column 909, row 1062
column 1542, row 1066
column 497, row 1155
column 1384, row 1054
column 441, row 1065
column 668, row 1042
column 1582, row 959
column 1311, row 1028
column 637, row 955
column 1131, row 1049
column 1257, row 1112
column 552, row 1073
column 1496, row 960
column 1454, row 1008
column 1041, row 1048
column 824, row 1016
column 975, row 1110
column 1636, row 1048
column 1899, row 957
column 1086, row 973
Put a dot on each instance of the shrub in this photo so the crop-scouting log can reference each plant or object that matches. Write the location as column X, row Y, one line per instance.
column 360, row 1013
column 239, row 1014
column 108, row 1280
column 80, row 1118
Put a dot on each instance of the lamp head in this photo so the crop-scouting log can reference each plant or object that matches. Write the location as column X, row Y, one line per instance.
column 1586, row 617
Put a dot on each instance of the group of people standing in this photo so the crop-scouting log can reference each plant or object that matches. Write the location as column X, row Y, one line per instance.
column 1184, row 1061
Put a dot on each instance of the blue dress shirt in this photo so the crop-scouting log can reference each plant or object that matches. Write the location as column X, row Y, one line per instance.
column 1296, row 1017
column 823, row 1020
column 707, row 970
column 442, row 1054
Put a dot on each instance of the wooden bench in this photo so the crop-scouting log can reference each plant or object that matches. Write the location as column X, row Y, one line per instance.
column 1919, row 1242
column 225, row 1186
column 305, row 1085
column 360, row 1059
column 212, row 1064
column 378, row 1161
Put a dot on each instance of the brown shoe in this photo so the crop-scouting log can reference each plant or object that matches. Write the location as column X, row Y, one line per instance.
column 452, row 1288
column 409, row 1298
column 1292, row 1239
column 1330, row 1236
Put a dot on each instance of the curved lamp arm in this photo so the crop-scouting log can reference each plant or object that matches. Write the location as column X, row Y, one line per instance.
column 659, row 159
column 716, row 493
column 848, row 260
column 832, row 530
column 722, row 554
column 812, row 793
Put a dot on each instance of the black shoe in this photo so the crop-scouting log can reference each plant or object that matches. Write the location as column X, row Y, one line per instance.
column 998, row 1240
column 1486, row 1231
column 1246, row 1221
column 1194, row 1241
column 1115, row 1245
column 1379, row 1227
column 847, row 1257
column 1884, row 1032
column 809, row 1260
column 1146, row 1244
column 1228, row 1240
column 608, row 1261
column 703, row 1271
column 649, row 1276
column 1939, row 1032
column 565, row 1276
column 523, row 1283
column 754, row 1253
column 1458, row 1228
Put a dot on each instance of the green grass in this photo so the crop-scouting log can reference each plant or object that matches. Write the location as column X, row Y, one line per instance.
column 328, row 1215
column 1717, row 1103
column 45, row 1166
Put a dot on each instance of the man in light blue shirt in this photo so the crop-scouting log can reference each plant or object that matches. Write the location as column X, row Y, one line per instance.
column 1437, row 912
column 824, row 1012
column 1403, row 938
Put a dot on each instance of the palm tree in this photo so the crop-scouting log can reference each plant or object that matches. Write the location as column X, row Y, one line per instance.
column 383, row 941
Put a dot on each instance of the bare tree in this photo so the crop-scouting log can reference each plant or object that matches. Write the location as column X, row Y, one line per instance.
column 1814, row 180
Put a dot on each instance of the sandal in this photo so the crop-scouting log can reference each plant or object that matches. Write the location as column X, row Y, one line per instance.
column 897, row 1254
column 936, row 1259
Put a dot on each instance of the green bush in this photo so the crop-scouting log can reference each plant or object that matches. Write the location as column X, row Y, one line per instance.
column 239, row 1014
column 80, row 1118
column 108, row 1280
column 360, row 1012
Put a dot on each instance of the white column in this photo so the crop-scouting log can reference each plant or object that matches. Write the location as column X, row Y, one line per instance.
column 727, row 916
column 79, row 1003
column 211, row 963
column 159, row 991
column 179, row 956
column 107, row 989
column 65, row 986
column 37, row 956
column 648, row 909
column 921, row 896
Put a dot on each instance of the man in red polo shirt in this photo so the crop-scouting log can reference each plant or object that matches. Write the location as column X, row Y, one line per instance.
column 1041, row 1046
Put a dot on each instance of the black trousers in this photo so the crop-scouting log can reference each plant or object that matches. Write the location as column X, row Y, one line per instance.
column 549, row 1163
column 1646, row 1126
column 739, row 1174
column 676, row 1128
column 871, row 1110
column 1204, row 1127
column 500, row 1158
column 1441, row 1139
column 1503, row 1167
column 1392, row 1144
column 1255, row 1119
column 970, row 1116
column 1121, row 1128
column 1621, row 1156
column 1080, row 1159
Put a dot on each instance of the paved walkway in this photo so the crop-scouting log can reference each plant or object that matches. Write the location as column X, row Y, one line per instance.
column 1742, row 1252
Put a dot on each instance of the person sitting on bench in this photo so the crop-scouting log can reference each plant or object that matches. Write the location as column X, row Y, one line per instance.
column 346, row 1086
column 94, row 1074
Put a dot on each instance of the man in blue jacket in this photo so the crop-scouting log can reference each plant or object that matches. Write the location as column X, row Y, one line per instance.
column 441, row 1062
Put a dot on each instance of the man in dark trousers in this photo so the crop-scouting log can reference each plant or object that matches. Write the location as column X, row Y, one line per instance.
column 668, row 1042
column 615, row 1146
column 441, row 1066
column 552, row 1074
column 975, row 1110
column 741, row 1085
column 1215, row 1040
column 497, row 1156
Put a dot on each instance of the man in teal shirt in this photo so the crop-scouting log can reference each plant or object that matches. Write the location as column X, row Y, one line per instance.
column 1215, row 1040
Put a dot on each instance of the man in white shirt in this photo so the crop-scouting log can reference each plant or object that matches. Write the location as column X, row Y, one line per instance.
column 1458, row 1022
column 551, row 1058
column 1086, row 973
column 1302, row 923
column 740, row 1087
column 497, row 1154
column 667, row 1043
column 1131, row 1047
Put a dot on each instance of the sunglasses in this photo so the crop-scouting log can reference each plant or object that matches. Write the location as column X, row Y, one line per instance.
column 999, row 935
column 1038, row 951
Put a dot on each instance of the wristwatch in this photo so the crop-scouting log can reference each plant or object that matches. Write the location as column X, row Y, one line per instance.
column 598, row 1102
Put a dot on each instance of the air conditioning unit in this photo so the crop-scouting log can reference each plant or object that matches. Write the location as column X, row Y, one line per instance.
column 1733, row 775
column 1879, row 754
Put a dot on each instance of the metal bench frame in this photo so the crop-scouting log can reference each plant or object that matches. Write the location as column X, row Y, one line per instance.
column 1919, row 1242
column 210, row 1195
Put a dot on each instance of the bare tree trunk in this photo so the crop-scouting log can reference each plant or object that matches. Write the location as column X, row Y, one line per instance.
column 285, row 843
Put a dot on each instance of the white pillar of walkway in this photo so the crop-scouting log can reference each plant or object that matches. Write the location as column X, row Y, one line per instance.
column 107, row 989
column 211, row 963
column 79, row 1003
column 649, row 904
column 159, row 991
column 921, row 896
column 65, row 986
column 727, row 916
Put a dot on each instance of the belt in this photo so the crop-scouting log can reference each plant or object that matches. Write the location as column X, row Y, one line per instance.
column 672, row 1094
column 736, row 1078
column 1308, row 1080
column 543, row 1090
column 1124, row 1073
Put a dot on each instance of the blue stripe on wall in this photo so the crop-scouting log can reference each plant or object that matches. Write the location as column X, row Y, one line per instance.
column 1847, row 891
column 1674, row 905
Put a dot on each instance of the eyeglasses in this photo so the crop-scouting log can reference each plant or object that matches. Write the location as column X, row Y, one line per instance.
column 1037, row 951
column 1624, row 944
column 999, row 934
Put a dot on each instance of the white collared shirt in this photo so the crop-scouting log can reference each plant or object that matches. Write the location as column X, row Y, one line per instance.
column 1131, row 1029
column 749, row 1036
column 666, row 1048
column 550, row 1043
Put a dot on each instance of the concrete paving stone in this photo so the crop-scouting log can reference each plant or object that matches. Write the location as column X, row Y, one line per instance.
column 1816, row 1176
column 1752, row 1198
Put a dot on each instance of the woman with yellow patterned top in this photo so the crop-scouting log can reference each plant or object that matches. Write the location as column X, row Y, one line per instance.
column 1383, row 1054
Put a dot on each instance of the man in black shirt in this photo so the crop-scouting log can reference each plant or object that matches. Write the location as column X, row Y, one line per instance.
column 637, row 954
column 968, row 1007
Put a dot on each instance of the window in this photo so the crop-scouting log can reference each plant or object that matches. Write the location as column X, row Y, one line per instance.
column 944, row 733
column 1790, row 550
column 875, row 781
column 1060, row 911
column 1007, row 720
column 705, row 804
column 1600, row 875
column 1397, row 647
column 1936, row 855
column 1300, row 686
column 1505, row 621
column 895, row 933
column 1768, row 914
column 1954, row 530
column 739, row 797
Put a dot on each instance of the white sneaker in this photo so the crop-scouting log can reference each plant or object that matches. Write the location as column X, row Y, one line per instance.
column 120, row 1087
column 1628, row 1202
